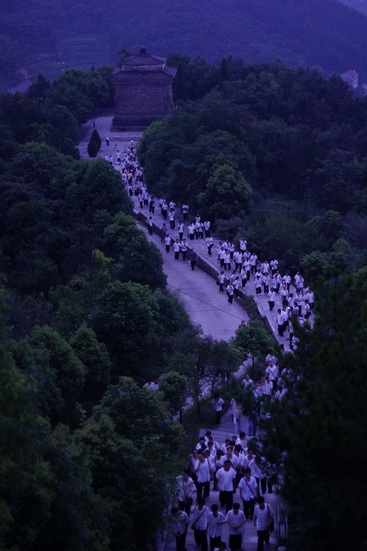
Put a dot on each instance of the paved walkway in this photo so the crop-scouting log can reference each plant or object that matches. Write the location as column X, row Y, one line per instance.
column 196, row 290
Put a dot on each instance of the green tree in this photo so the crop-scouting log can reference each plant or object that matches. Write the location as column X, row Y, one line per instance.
column 227, row 194
column 174, row 387
column 99, row 188
column 127, row 487
column 94, row 144
column 142, row 415
column 58, row 370
column 80, row 92
column 323, row 418
column 138, row 260
column 127, row 321
column 26, row 481
column 254, row 341
column 95, row 358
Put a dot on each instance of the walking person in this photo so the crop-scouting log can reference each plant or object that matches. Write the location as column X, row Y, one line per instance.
column 248, row 492
column 179, row 522
column 203, row 471
column 185, row 212
column 186, row 489
column 221, row 281
column 209, row 242
column 180, row 230
column 271, row 299
column 183, row 249
column 264, row 522
column 230, row 293
column 176, row 249
column 236, row 522
column 215, row 528
column 150, row 225
column 226, row 476
column 217, row 404
column 199, row 523
column 167, row 242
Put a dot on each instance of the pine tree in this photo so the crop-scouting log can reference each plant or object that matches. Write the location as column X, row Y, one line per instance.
column 94, row 144
column 319, row 430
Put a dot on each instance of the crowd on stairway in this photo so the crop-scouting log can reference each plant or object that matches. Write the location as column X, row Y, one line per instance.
column 234, row 478
column 228, row 482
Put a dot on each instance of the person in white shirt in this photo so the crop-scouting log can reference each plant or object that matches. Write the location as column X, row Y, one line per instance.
column 218, row 463
column 203, row 471
column 215, row 527
column 263, row 520
column 221, row 281
column 207, row 225
column 271, row 298
column 179, row 522
column 272, row 371
column 242, row 440
column 280, row 323
column 248, row 492
column 186, row 489
column 199, row 523
column 287, row 280
column 226, row 475
column 274, row 266
column 236, row 408
column 180, row 229
column 253, row 262
column 167, row 242
column 247, row 382
column 267, row 387
column 209, row 243
column 243, row 244
column 217, row 404
column 236, row 523
column 176, row 249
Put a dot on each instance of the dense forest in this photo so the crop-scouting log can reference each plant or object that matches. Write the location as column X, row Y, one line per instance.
column 50, row 37
column 85, row 448
column 270, row 153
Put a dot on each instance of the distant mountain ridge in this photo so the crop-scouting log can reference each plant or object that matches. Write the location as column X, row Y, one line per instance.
column 359, row 5
column 326, row 34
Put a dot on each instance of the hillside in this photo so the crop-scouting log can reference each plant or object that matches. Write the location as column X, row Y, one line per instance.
column 329, row 35
column 359, row 5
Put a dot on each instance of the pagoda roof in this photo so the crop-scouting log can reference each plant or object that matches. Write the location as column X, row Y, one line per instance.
column 143, row 58
column 146, row 62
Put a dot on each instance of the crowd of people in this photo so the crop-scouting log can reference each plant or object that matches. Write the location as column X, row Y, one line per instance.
column 238, row 477
column 287, row 297
column 234, row 467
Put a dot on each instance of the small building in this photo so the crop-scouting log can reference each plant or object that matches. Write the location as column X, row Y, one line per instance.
column 143, row 84
column 350, row 77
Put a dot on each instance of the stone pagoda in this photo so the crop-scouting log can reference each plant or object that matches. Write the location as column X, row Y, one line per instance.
column 143, row 86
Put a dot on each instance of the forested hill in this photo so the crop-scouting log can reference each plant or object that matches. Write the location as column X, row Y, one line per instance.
column 37, row 33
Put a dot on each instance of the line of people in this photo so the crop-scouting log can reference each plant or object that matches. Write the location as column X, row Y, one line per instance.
column 232, row 468
column 244, row 265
